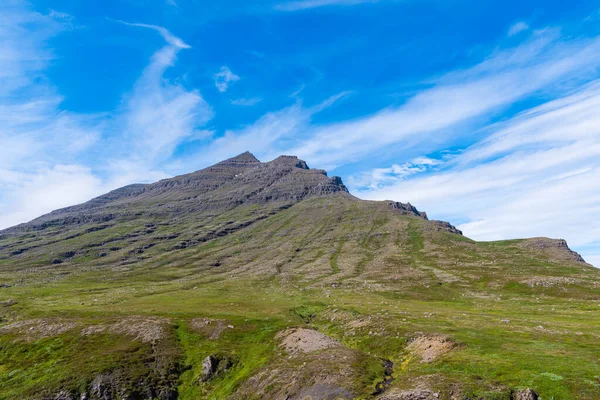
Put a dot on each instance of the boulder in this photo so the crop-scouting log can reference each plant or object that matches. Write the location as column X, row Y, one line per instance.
column 526, row 394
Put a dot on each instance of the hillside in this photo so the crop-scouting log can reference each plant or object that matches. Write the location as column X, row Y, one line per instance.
column 250, row 280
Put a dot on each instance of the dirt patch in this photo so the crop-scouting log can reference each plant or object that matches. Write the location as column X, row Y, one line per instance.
column 430, row 347
column 301, row 340
column 211, row 328
column 39, row 328
column 145, row 329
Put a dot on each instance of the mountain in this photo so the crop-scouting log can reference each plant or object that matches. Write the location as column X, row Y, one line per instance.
column 251, row 280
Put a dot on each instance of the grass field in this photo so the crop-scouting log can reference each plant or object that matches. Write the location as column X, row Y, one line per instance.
column 518, row 316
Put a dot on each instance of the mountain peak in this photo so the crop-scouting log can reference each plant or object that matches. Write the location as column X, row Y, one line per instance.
column 243, row 158
column 242, row 179
column 291, row 160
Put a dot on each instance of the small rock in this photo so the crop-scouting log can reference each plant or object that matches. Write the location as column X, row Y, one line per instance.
column 526, row 394
column 209, row 366
column 215, row 365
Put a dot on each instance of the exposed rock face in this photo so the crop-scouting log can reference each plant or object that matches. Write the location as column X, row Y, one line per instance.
column 214, row 365
column 209, row 366
column 526, row 394
column 557, row 248
column 409, row 209
column 446, row 226
column 406, row 209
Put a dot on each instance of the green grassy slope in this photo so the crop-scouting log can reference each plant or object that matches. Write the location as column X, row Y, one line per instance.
column 521, row 313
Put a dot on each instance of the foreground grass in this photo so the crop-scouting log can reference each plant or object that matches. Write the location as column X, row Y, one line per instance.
column 548, row 344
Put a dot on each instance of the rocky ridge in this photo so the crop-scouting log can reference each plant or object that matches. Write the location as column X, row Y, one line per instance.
column 239, row 180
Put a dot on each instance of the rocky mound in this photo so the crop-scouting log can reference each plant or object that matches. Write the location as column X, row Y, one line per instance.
column 554, row 248
column 314, row 366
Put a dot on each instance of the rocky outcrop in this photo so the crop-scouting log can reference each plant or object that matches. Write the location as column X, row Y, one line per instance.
column 312, row 366
column 406, row 209
column 215, row 365
column 446, row 226
column 526, row 394
column 158, row 383
column 555, row 248
column 409, row 209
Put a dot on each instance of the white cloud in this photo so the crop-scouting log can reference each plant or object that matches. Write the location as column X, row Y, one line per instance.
column 456, row 98
column 158, row 114
column 381, row 177
column 37, row 137
column 537, row 174
column 432, row 116
column 555, row 145
column 33, row 128
column 34, row 194
column 267, row 136
column 44, row 145
column 223, row 78
column 518, row 28
column 169, row 38
column 260, row 136
column 308, row 4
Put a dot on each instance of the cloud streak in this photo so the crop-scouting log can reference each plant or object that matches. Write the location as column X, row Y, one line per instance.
column 455, row 99
column 158, row 114
column 51, row 157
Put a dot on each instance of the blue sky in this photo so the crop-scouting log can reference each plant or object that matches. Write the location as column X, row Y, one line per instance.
column 485, row 114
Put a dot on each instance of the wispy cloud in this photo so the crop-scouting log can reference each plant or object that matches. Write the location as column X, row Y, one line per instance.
column 223, row 78
column 518, row 28
column 33, row 128
column 158, row 114
column 269, row 136
column 168, row 36
column 44, row 146
column 382, row 177
column 307, row 4
column 454, row 99
column 34, row 194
